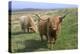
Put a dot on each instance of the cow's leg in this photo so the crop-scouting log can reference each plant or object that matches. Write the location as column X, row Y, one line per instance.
column 54, row 40
column 41, row 37
column 51, row 45
column 23, row 28
column 49, row 42
column 46, row 37
column 27, row 29
column 55, row 37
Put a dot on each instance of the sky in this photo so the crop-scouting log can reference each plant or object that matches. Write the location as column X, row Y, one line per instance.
column 25, row 4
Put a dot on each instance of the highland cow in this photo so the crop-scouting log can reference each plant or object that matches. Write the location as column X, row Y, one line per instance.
column 49, row 26
column 28, row 23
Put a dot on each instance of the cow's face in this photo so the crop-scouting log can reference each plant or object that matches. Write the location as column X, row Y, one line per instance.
column 54, row 23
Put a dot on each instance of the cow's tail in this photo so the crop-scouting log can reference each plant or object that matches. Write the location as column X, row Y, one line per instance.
column 65, row 15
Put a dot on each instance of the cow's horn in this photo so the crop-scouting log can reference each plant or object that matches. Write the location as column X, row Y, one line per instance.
column 64, row 15
column 38, row 17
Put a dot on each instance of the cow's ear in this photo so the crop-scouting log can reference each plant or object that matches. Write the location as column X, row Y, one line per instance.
column 60, row 18
column 48, row 19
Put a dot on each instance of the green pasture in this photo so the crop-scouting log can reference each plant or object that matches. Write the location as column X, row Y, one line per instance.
column 30, row 42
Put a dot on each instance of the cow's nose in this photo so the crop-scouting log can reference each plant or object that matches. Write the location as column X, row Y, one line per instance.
column 54, row 28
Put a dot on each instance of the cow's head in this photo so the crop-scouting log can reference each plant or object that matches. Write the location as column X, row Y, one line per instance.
column 54, row 22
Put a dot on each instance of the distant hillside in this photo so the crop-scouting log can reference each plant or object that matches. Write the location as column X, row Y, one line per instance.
column 30, row 9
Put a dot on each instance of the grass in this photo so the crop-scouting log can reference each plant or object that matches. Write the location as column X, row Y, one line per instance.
column 30, row 42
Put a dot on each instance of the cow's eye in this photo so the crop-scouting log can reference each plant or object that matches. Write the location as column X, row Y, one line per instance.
column 49, row 26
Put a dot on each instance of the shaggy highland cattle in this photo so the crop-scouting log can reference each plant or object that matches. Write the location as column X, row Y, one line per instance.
column 49, row 27
column 28, row 23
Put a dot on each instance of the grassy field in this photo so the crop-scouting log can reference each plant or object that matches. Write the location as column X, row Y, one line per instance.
column 30, row 42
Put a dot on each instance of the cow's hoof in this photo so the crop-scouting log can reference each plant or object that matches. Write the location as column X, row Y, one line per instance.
column 49, row 46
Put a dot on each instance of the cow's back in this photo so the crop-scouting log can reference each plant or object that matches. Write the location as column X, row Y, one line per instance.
column 42, row 27
column 24, row 20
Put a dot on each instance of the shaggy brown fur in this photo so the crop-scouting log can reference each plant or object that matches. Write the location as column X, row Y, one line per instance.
column 28, row 22
column 50, row 27
column 53, row 26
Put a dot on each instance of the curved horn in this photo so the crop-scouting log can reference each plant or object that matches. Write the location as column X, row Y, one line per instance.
column 64, row 15
column 38, row 17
